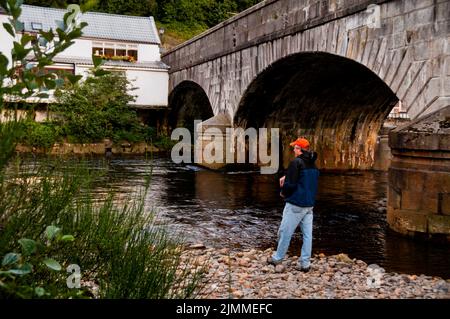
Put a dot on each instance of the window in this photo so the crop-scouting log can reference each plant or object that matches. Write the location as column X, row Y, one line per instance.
column 115, row 51
column 121, row 50
column 97, row 48
column 59, row 71
column 133, row 51
column 133, row 54
column 36, row 25
column 97, row 51
column 109, row 49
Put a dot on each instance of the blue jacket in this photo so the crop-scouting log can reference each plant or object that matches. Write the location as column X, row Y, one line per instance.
column 302, row 179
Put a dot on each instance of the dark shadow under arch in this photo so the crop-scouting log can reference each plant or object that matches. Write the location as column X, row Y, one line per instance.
column 188, row 102
column 337, row 103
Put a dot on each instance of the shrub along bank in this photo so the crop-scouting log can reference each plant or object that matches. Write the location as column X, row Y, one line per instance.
column 90, row 112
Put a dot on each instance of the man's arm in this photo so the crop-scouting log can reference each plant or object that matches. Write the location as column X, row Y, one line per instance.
column 282, row 181
column 290, row 182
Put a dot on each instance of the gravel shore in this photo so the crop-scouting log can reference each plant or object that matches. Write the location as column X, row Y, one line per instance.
column 246, row 274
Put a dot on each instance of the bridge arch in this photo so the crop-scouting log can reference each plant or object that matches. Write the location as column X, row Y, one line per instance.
column 188, row 102
column 337, row 103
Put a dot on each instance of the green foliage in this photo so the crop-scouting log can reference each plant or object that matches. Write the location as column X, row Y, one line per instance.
column 164, row 142
column 42, row 135
column 20, row 79
column 181, row 30
column 34, row 273
column 131, row 7
column 84, row 4
column 116, row 245
column 200, row 12
column 98, row 108
column 10, row 134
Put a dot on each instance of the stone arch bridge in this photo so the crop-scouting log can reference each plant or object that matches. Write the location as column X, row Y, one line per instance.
column 330, row 70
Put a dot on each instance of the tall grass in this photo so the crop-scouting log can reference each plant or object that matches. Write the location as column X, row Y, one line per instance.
column 117, row 244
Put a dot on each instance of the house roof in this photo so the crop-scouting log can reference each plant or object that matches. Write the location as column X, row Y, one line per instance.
column 100, row 25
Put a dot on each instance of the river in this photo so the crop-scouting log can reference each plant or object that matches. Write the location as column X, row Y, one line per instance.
column 243, row 210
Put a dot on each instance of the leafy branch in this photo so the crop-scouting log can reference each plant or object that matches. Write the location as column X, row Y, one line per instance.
column 24, row 73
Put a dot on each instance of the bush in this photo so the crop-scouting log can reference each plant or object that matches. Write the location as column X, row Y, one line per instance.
column 164, row 142
column 133, row 136
column 98, row 108
column 43, row 135
column 150, row 133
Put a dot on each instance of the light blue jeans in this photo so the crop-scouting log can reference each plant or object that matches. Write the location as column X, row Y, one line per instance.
column 292, row 217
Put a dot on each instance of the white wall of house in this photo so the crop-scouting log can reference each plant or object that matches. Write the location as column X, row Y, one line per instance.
column 82, row 48
column 82, row 70
column 6, row 40
column 152, row 87
column 148, row 52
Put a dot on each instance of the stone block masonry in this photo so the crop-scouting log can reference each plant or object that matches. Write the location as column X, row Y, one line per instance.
column 419, row 177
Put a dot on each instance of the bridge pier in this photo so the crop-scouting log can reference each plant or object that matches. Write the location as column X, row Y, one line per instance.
column 204, row 137
column 419, row 177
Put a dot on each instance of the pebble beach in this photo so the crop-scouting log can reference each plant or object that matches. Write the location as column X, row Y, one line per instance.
column 246, row 274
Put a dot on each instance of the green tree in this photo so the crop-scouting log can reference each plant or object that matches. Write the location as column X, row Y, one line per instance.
column 85, row 5
column 130, row 7
column 244, row 4
column 98, row 108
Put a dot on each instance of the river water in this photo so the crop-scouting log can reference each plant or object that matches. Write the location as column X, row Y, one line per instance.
column 243, row 210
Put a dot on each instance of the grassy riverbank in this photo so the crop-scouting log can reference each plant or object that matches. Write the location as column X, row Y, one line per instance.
column 162, row 145
column 49, row 221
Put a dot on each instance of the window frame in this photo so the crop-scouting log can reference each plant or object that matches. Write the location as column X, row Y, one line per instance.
column 115, row 46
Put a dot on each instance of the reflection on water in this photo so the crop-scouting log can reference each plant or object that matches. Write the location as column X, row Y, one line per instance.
column 244, row 210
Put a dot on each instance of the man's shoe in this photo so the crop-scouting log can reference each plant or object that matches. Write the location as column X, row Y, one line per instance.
column 273, row 262
column 303, row 269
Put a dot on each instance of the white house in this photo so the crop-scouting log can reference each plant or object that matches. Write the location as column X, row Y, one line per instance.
column 128, row 43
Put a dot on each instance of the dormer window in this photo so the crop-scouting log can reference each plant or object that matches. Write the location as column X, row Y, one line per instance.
column 36, row 26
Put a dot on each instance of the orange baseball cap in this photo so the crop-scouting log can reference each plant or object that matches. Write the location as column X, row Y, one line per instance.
column 302, row 142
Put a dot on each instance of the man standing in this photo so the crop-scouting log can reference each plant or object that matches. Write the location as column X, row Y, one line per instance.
column 299, row 188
